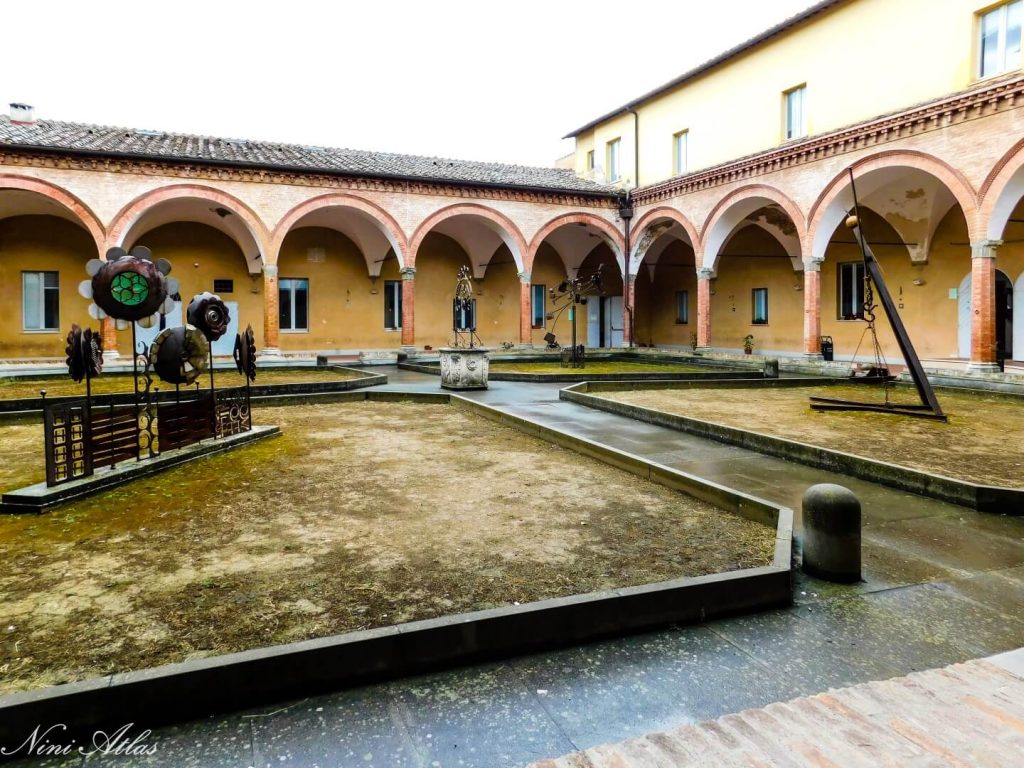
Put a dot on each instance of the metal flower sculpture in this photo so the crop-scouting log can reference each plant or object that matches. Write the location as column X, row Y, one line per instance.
column 245, row 353
column 180, row 355
column 209, row 314
column 84, row 353
column 129, row 287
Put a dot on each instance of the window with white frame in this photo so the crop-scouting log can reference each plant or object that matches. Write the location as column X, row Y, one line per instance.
column 851, row 290
column 682, row 307
column 40, row 301
column 590, row 160
column 392, row 305
column 613, row 160
column 796, row 112
column 293, row 303
column 537, row 309
column 760, row 297
column 680, row 162
column 999, row 43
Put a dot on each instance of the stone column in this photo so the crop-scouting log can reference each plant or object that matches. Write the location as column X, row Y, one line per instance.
column 983, row 306
column 628, row 310
column 108, row 333
column 408, row 308
column 704, row 308
column 271, row 313
column 525, row 310
column 812, row 309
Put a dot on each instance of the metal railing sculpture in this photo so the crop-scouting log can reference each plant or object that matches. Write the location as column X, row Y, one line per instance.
column 568, row 295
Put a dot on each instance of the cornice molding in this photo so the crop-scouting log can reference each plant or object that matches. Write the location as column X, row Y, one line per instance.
column 13, row 158
column 959, row 108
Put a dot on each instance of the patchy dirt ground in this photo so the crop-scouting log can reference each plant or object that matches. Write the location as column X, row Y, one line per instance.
column 981, row 443
column 601, row 366
column 112, row 383
column 360, row 515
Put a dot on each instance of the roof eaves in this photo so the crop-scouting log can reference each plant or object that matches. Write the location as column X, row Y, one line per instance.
column 792, row 21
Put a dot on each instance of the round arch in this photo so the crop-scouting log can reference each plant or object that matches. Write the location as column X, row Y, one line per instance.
column 497, row 222
column 651, row 217
column 732, row 209
column 383, row 220
column 82, row 214
column 608, row 231
column 831, row 208
column 124, row 223
column 1002, row 189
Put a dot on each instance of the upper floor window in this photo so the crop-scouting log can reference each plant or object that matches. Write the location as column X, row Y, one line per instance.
column 680, row 162
column 1000, row 31
column 796, row 117
column 613, row 160
column 590, row 160
column 40, row 301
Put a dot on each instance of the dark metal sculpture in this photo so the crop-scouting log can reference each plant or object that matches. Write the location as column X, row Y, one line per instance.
column 129, row 287
column 84, row 352
column 464, row 312
column 179, row 355
column 874, row 281
column 245, row 354
column 568, row 295
column 209, row 314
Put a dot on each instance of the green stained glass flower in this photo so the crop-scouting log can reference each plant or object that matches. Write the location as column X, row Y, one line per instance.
column 129, row 288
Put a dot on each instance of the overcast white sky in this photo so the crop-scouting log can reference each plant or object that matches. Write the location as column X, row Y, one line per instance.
column 456, row 78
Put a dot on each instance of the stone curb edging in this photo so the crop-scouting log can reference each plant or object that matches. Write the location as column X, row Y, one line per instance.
column 573, row 378
column 984, row 498
column 193, row 689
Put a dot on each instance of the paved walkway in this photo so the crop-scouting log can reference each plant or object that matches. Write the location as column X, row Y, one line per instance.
column 943, row 585
column 961, row 715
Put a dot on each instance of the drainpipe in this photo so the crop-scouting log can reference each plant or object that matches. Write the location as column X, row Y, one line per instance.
column 626, row 214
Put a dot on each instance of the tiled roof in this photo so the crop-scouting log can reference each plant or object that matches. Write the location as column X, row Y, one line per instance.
column 107, row 141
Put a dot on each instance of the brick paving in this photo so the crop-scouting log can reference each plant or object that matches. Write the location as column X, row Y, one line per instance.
column 961, row 715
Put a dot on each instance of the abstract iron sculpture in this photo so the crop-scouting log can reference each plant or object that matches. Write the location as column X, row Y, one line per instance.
column 179, row 355
column 129, row 287
column 209, row 314
column 84, row 352
column 567, row 296
column 245, row 354
column 874, row 281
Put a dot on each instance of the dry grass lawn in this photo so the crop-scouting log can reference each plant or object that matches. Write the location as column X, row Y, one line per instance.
column 360, row 515
column 981, row 443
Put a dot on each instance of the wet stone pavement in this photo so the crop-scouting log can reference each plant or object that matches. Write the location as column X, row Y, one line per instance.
column 942, row 584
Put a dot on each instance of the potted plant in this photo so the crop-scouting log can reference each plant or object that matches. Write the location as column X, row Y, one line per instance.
column 748, row 344
column 693, row 341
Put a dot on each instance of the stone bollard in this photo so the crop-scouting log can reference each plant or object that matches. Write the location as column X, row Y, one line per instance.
column 771, row 368
column 832, row 533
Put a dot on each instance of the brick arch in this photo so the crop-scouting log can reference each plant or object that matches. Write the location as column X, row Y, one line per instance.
column 605, row 226
column 133, row 211
column 954, row 181
column 86, row 218
column 508, row 231
column 1000, row 192
column 712, row 241
column 384, row 220
column 665, row 212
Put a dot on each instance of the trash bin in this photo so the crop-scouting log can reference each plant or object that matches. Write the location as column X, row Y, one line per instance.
column 827, row 348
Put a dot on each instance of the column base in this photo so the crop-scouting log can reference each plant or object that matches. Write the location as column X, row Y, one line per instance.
column 111, row 355
column 269, row 352
column 983, row 367
column 408, row 349
column 814, row 356
column 702, row 350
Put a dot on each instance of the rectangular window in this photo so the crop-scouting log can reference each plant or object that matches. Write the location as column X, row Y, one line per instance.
column 999, row 44
column 40, row 301
column 760, row 296
column 392, row 305
column 796, row 112
column 680, row 163
column 537, row 294
column 590, row 160
column 293, row 303
column 682, row 307
column 223, row 285
column 613, row 159
column 851, row 291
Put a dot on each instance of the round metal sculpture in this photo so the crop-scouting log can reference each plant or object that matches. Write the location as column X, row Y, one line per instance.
column 245, row 353
column 209, row 314
column 129, row 287
column 179, row 355
column 84, row 353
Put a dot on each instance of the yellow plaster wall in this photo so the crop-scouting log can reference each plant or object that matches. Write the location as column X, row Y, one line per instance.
column 863, row 59
column 35, row 243
column 198, row 255
column 656, row 302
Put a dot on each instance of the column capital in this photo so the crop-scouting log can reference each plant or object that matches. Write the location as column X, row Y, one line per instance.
column 270, row 270
column 408, row 273
column 524, row 277
column 812, row 265
column 984, row 249
column 705, row 273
